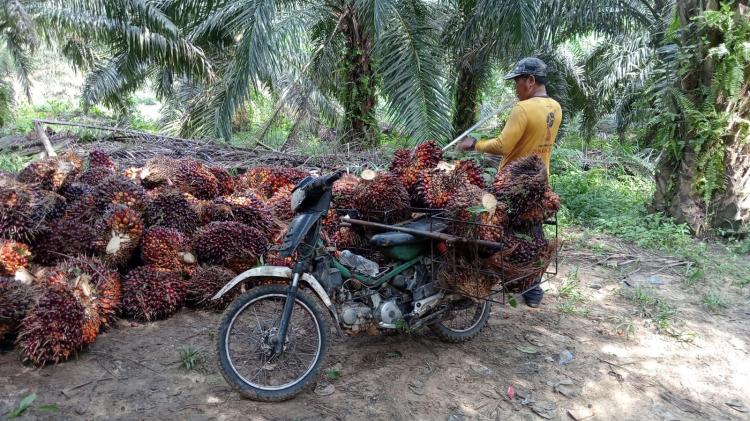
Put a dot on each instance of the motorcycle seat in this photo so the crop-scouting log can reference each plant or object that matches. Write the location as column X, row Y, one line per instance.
column 397, row 238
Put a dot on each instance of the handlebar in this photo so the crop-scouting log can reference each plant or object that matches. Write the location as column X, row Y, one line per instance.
column 327, row 180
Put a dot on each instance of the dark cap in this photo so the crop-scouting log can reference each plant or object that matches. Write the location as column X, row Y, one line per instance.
column 528, row 66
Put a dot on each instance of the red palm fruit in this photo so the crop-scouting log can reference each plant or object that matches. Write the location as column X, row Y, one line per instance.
column 84, row 210
column 427, row 155
column 118, row 234
column 477, row 214
column 402, row 159
column 53, row 329
column 246, row 208
column 226, row 182
column 472, row 171
column 16, row 299
column 118, row 190
column 343, row 191
column 133, row 174
column 23, row 211
column 105, row 282
column 273, row 258
column 205, row 282
column 192, row 177
column 381, row 196
column 157, row 171
column 75, row 191
column 100, row 159
column 95, row 175
column 80, row 283
column 170, row 209
column 268, row 180
column 280, row 204
column 346, row 237
column 167, row 248
column 521, row 185
column 52, row 173
column 63, row 238
column 231, row 244
column 437, row 187
column 14, row 256
column 151, row 294
column 550, row 203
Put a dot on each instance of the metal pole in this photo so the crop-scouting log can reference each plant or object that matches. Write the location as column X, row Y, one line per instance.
column 480, row 122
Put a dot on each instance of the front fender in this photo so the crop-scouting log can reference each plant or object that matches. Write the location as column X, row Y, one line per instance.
column 278, row 272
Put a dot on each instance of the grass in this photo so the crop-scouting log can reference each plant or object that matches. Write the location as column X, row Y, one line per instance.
column 714, row 302
column 571, row 294
column 190, row 357
column 651, row 306
column 12, row 163
column 613, row 202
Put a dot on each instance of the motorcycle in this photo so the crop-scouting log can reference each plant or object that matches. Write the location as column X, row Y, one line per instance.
column 273, row 338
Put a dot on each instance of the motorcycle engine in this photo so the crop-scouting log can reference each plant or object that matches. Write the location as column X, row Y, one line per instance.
column 359, row 317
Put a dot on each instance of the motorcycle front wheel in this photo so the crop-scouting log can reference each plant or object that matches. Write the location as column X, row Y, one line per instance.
column 466, row 319
column 247, row 339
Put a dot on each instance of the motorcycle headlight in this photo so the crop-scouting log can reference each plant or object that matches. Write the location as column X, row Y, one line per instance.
column 298, row 196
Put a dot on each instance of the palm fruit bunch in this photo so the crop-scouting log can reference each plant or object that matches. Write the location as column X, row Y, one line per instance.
column 521, row 185
column 52, row 173
column 462, row 279
column 246, row 208
column 16, row 299
column 268, row 180
column 347, row 237
column 436, row 187
column 225, row 180
column 80, row 284
column 205, row 282
column 551, row 203
column 381, row 197
column 167, row 249
column 343, row 190
column 100, row 159
column 525, row 250
column 406, row 165
column 473, row 172
column 119, row 234
column 280, row 204
column 52, row 331
column 477, row 214
column 93, row 176
column 64, row 237
column 273, row 258
column 158, row 171
column 23, row 211
column 14, row 257
column 133, row 174
column 233, row 245
column 170, row 209
column 118, row 190
column 194, row 178
column 150, row 293
column 76, row 191
column 105, row 282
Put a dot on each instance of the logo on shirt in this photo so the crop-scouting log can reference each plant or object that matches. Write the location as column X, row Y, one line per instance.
column 550, row 123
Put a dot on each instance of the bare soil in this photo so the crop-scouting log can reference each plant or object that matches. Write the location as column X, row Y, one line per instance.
column 623, row 368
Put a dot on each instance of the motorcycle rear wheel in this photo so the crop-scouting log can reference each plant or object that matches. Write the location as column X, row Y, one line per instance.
column 246, row 340
column 464, row 323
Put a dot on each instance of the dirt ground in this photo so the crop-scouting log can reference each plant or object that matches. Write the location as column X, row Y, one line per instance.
column 622, row 367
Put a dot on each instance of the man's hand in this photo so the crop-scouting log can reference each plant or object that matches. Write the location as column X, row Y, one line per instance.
column 466, row 144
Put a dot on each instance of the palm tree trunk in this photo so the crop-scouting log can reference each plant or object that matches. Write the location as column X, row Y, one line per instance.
column 675, row 192
column 466, row 99
column 359, row 96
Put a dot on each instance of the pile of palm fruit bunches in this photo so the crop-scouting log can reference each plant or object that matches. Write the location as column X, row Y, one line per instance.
column 83, row 242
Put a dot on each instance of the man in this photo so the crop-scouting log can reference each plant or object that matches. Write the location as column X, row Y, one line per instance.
column 531, row 129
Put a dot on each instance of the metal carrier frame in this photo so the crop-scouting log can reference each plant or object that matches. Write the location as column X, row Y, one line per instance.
column 463, row 254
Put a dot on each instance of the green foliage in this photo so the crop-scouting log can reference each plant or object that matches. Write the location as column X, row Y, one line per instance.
column 22, row 406
column 12, row 163
column 714, row 302
column 190, row 357
column 651, row 306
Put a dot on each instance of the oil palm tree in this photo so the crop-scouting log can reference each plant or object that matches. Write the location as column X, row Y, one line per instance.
column 17, row 43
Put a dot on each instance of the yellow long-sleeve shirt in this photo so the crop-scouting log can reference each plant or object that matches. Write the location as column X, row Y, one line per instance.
column 531, row 129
